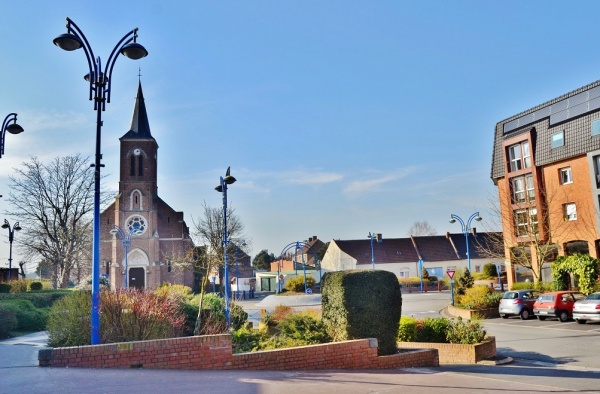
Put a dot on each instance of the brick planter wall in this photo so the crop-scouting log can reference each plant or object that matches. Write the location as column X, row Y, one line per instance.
column 215, row 352
column 450, row 353
column 470, row 313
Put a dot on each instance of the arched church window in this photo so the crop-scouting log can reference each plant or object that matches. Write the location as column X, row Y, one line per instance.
column 140, row 165
column 137, row 223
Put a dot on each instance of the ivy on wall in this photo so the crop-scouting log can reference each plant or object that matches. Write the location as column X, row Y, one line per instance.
column 583, row 266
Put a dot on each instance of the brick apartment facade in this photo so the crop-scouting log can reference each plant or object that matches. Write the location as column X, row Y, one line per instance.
column 546, row 165
column 162, row 239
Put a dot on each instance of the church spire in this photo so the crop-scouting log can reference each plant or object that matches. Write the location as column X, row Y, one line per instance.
column 140, row 128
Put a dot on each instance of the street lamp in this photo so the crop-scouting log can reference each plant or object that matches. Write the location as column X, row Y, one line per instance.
column 11, row 237
column 372, row 235
column 466, row 229
column 126, row 239
column 222, row 188
column 12, row 128
column 99, row 91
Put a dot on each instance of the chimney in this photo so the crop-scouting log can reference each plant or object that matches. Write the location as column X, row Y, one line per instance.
column 474, row 231
column 379, row 238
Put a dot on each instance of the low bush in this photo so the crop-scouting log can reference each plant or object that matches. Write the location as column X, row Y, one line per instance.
column 466, row 332
column 18, row 285
column 69, row 320
column 541, row 286
column 478, row 297
column 246, row 339
column 213, row 314
column 304, row 327
column 5, row 288
column 440, row 330
column 297, row 284
column 35, row 286
column 29, row 318
column 8, row 321
column 425, row 330
column 176, row 290
column 41, row 299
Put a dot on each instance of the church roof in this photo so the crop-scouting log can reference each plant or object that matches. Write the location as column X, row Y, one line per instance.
column 140, row 127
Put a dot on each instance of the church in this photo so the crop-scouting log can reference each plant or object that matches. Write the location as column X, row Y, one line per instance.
column 155, row 236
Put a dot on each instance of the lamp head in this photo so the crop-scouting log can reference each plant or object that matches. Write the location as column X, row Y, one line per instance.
column 5, row 225
column 478, row 218
column 452, row 220
column 114, row 231
column 219, row 188
column 16, row 227
column 134, row 51
column 14, row 128
column 68, row 42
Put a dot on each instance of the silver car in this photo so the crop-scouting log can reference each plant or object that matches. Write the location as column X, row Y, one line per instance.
column 587, row 309
column 518, row 303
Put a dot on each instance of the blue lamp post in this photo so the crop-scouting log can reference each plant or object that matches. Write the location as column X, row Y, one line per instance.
column 371, row 236
column 12, row 128
column 99, row 91
column 126, row 240
column 466, row 229
column 421, row 273
column 222, row 188
column 11, row 237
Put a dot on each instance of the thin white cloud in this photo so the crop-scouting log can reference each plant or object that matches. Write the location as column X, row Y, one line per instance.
column 376, row 183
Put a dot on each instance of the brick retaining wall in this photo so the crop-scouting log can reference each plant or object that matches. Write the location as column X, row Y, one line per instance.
column 215, row 352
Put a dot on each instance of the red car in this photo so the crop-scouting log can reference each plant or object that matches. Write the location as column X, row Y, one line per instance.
column 556, row 304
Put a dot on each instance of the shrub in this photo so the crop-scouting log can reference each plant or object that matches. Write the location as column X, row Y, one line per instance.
column 41, row 299
column 35, row 286
column 137, row 315
column 426, row 330
column 29, row 318
column 213, row 314
column 8, row 321
column 466, row 332
column 477, row 297
column 69, row 320
column 176, row 290
column 362, row 304
column 247, row 339
column 305, row 328
column 489, row 270
column 297, row 284
column 407, row 332
column 5, row 288
column 18, row 286
column 541, row 286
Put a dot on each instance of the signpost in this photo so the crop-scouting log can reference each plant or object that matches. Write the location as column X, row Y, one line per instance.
column 498, row 267
column 450, row 273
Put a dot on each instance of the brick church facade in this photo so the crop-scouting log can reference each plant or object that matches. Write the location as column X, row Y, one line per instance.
column 159, row 236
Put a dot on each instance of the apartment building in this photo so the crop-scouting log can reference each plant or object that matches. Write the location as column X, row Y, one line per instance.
column 546, row 165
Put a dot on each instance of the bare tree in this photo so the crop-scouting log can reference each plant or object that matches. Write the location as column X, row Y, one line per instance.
column 537, row 220
column 53, row 203
column 209, row 232
column 421, row 228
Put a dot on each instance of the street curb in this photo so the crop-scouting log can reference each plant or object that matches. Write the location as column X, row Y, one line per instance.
column 499, row 360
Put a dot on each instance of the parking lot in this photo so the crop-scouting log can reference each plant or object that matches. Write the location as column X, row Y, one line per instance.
column 549, row 323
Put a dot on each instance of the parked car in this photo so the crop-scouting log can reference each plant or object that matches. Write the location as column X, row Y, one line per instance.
column 518, row 303
column 556, row 304
column 587, row 309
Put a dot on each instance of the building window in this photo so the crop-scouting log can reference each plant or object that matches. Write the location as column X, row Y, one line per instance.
column 526, row 222
column 596, row 127
column 566, row 176
column 523, row 189
column 137, row 223
column 141, row 165
column 132, row 166
column 519, row 156
column 570, row 210
column 477, row 268
column 558, row 139
column 597, row 170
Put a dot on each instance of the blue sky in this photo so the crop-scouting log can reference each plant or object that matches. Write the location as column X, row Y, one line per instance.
column 338, row 118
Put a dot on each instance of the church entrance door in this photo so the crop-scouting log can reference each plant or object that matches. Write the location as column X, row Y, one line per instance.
column 137, row 278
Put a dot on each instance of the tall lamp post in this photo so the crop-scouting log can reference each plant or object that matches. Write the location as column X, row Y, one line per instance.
column 372, row 235
column 99, row 91
column 222, row 188
column 12, row 128
column 11, row 237
column 466, row 229
column 126, row 240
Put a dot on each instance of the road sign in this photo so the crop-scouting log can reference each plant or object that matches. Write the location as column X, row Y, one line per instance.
column 450, row 273
column 308, row 291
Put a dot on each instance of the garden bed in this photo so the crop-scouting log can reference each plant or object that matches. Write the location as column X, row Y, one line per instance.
column 451, row 353
column 473, row 313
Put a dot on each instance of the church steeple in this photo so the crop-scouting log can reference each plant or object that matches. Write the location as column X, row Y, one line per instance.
column 140, row 127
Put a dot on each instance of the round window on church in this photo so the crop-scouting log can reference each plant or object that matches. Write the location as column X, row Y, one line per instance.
column 137, row 225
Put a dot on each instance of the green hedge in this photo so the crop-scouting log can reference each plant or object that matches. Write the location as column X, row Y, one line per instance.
column 362, row 304
column 8, row 321
column 29, row 318
column 41, row 299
